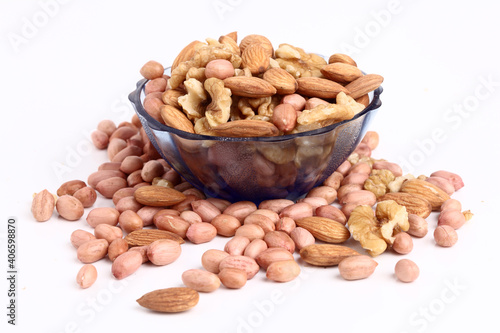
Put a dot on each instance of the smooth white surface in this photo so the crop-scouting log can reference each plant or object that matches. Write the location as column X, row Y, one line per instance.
column 77, row 68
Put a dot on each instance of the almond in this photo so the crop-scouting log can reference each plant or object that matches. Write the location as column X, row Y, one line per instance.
column 170, row 300
column 341, row 72
column 175, row 118
column 257, row 39
column 158, row 196
column 280, row 79
column 427, row 191
column 186, row 53
column 147, row 236
column 326, row 254
column 255, row 58
column 363, row 85
column 414, row 204
column 318, row 87
column 249, row 86
column 324, row 229
column 343, row 58
column 246, row 128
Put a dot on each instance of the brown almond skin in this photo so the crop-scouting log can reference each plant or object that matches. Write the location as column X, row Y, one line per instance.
column 87, row 196
column 170, row 300
column 158, row 196
column 42, row 206
column 86, row 276
column 283, row 271
column 341, row 72
column 253, row 87
column 92, row 251
column 364, row 85
column 145, row 237
column 126, row 264
column 318, row 87
column 70, row 187
column 69, row 208
column 210, row 260
column 233, row 278
column 79, row 236
column 357, row 267
column 200, row 280
column 325, row 229
column 325, row 255
column 101, row 215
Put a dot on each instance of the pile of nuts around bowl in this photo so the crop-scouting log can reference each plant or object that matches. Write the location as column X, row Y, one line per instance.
column 154, row 213
column 223, row 88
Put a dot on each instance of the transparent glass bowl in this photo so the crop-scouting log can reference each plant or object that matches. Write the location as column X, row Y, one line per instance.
column 256, row 169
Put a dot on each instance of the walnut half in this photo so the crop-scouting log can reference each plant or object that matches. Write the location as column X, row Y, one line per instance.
column 376, row 231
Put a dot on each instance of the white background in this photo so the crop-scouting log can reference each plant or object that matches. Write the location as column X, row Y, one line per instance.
column 80, row 62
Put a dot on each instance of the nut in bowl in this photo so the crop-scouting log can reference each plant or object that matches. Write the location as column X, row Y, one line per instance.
column 221, row 133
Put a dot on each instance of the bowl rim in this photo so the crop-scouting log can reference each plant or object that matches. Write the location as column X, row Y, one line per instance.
column 135, row 99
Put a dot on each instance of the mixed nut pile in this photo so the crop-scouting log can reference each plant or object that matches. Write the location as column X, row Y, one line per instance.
column 248, row 89
column 155, row 211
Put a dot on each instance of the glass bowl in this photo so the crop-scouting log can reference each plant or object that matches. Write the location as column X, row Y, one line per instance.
column 258, row 168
